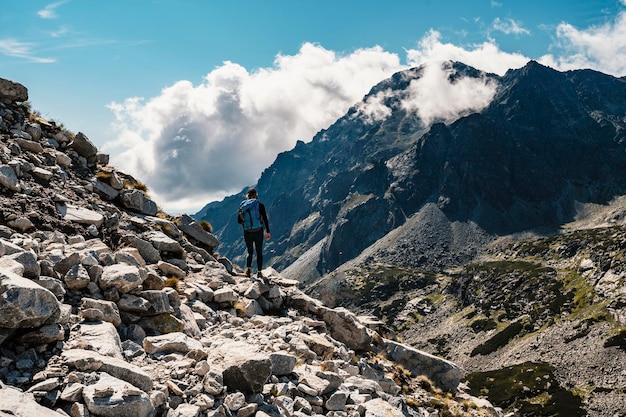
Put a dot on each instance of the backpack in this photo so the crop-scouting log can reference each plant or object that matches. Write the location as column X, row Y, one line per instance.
column 250, row 214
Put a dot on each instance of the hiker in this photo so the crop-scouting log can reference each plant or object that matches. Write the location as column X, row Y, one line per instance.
column 253, row 217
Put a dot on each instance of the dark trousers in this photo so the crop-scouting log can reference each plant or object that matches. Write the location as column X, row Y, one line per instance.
column 254, row 239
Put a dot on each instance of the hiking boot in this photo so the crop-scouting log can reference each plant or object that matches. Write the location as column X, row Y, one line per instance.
column 263, row 279
column 248, row 273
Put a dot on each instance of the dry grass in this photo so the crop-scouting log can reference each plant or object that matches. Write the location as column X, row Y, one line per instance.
column 206, row 226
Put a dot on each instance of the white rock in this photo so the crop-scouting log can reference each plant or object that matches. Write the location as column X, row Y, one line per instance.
column 171, row 342
column 112, row 397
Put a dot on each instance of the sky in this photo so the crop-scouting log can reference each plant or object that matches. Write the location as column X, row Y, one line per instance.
column 195, row 98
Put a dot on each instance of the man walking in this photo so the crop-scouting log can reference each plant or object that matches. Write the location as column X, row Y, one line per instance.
column 253, row 217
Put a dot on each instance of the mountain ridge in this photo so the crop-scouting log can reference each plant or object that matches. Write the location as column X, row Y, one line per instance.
column 524, row 160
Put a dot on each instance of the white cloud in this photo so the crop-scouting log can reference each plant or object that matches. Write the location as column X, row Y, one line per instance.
column 602, row 48
column 192, row 143
column 509, row 27
column 373, row 109
column 49, row 12
column 24, row 50
column 195, row 142
column 434, row 97
column 61, row 32
column 486, row 56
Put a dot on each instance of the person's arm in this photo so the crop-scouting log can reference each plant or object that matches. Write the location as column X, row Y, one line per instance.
column 266, row 223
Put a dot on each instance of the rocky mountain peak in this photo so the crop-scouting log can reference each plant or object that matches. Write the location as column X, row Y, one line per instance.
column 520, row 158
column 111, row 307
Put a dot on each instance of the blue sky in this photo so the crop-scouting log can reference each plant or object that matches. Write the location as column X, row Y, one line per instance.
column 195, row 98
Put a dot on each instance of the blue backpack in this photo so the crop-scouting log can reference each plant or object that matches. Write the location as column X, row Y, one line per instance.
column 250, row 214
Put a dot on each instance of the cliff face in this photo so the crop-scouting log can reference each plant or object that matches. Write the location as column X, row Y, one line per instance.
column 544, row 141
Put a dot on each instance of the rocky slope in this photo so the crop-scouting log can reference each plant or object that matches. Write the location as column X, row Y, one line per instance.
column 537, row 321
column 110, row 307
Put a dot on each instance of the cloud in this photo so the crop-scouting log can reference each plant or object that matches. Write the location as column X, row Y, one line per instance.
column 15, row 48
column 509, row 27
column 49, row 12
column 599, row 47
column 59, row 33
column 486, row 56
column 373, row 109
column 434, row 97
column 193, row 142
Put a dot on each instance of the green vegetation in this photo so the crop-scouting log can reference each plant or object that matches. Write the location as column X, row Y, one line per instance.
column 501, row 338
column 528, row 269
column 618, row 339
column 383, row 289
column 528, row 389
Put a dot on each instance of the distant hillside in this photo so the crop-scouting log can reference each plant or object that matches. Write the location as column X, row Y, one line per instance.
column 545, row 141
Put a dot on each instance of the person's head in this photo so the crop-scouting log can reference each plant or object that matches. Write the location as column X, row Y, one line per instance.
column 252, row 193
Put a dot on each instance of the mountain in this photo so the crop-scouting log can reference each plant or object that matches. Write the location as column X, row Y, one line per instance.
column 544, row 141
column 493, row 236
column 111, row 307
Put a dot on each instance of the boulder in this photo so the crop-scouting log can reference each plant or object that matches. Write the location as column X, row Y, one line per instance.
column 28, row 260
column 282, row 363
column 137, row 201
column 105, row 191
column 162, row 324
column 246, row 371
column 193, row 229
column 113, row 397
column 16, row 403
column 344, row 325
column 158, row 302
column 172, row 342
column 123, row 277
column 80, row 215
column 83, row 146
column 380, row 408
column 100, row 337
column 164, row 243
column 109, row 310
column 43, row 335
column 89, row 360
column 24, row 303
column 29, row 145
column 148, row 252
column 8, row 178
column 444, row 374
column 13, row 91
column 76, row 278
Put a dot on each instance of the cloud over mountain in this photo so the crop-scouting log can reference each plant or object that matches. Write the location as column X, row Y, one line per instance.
column 197, row 143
